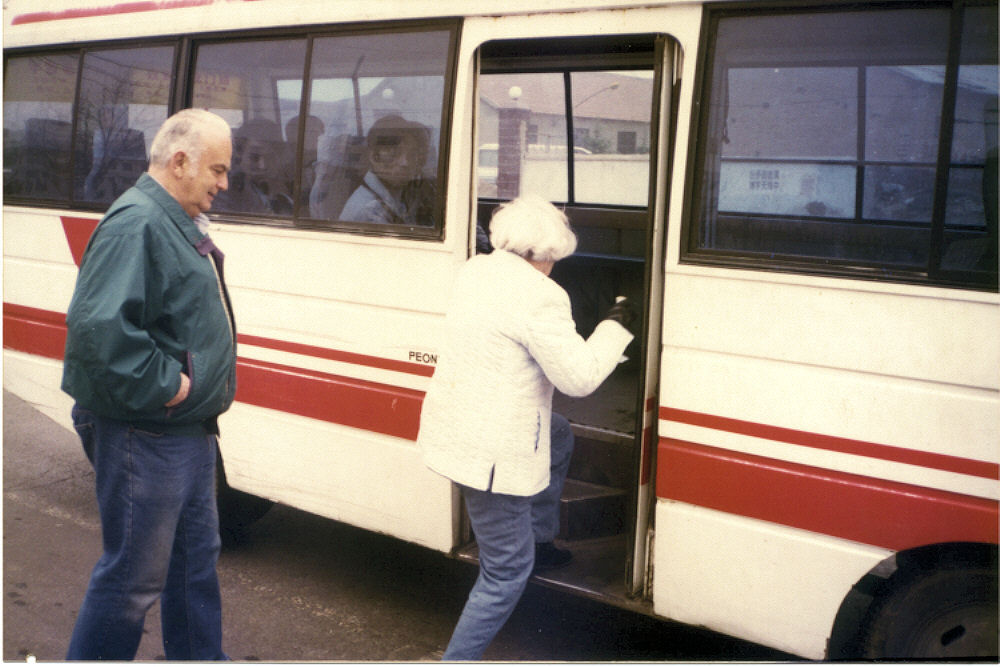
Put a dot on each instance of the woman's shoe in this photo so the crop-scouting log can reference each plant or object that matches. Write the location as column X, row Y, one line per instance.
column 549, row 557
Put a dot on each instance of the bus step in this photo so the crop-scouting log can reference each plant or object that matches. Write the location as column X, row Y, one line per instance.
column 589, row 510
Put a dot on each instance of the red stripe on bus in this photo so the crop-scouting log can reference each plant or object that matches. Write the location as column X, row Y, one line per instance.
column 362, row 404
column 78, row 232
column 34, row 331
column 337, row 355
column 862, row 509
column 43, row 332
column 357, row 403
column 120, row 8
column 932, row 460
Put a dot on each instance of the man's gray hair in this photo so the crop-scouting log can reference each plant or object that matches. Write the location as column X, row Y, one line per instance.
column 186, row 132
column 530, row 226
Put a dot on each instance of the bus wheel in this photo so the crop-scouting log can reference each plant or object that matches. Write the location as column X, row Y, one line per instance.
column 237, row 509
column 936, row 614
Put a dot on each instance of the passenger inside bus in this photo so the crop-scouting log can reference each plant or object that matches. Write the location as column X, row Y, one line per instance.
column 394, row 191
column 259, row 182
column 314, row 130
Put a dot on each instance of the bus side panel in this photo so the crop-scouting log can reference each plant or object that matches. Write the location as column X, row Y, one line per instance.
column 374, row 482
column 38, row 267
column 36, row 380
column 38, row 279
column 767, row 583
column 337, row 346
column 834, row 361
column 808, row 431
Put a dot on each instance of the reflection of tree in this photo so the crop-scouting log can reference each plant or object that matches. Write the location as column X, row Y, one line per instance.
column 110, row 150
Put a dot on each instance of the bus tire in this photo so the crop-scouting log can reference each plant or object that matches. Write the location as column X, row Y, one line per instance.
column 939, row 614
column 238, row 510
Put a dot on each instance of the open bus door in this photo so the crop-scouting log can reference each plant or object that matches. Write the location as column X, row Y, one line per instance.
column 577, row 120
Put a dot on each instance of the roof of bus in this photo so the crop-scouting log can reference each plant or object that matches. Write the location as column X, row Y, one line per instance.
column 29, row 22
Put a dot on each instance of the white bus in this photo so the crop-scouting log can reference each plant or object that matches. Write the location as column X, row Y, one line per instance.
column 802, row 449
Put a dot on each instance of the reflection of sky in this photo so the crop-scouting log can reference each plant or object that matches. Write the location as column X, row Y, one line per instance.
column 980, row 78
column 327, row 90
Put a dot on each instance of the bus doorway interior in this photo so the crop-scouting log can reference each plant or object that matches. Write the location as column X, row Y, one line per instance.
column 571, row 120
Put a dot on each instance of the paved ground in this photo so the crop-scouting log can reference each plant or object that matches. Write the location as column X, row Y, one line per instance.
column 300, row 588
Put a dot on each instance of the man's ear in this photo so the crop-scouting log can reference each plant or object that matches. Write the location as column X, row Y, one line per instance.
column 178, row 163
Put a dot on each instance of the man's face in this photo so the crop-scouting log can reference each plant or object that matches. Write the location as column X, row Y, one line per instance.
column 396, row 160
column 257, row 158
column 203, row 179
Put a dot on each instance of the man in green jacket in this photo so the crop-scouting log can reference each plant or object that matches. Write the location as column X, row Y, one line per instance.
column 151, row 362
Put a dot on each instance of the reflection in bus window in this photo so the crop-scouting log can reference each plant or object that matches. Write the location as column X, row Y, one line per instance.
column 523, row 136
column 380, row 100
column 123, row 100
column 971, row 213
column 611, row 121
column 240, row 82
column 803, row 154
column 37, row 124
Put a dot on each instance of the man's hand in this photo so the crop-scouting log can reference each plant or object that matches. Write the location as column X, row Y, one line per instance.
column 182, row 393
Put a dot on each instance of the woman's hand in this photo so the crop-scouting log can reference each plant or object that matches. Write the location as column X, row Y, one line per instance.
column 623, row 312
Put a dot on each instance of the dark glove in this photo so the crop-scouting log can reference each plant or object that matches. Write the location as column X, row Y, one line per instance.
column 623, row 312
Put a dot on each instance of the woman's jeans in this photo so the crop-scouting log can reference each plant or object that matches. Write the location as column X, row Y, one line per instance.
column 160, row 529
column 506, row 529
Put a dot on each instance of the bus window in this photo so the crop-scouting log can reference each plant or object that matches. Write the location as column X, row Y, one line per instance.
column 970, row 234
column 123, row 101
column 379, row 99
column 610, row 138
column 821, row 138
column 522, row 136
column 524, row 121
column 37, row 123
column 253, row 85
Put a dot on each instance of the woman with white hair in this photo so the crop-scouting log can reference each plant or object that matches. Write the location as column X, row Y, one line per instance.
column 487, row 421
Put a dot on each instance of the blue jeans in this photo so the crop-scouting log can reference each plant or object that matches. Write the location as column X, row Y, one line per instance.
column 160, row 529
column 506, row 529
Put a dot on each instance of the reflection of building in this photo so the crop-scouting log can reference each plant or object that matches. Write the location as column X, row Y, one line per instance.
column 795, row 141
column 610, row 113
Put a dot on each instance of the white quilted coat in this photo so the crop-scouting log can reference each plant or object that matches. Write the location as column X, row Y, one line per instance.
column 510, row 337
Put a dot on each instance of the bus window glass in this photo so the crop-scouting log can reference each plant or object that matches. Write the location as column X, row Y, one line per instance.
column 611, row 121
column 822, row 136
column 376, row 108
column 799, row 173
column 522, row 136
column 899, row 176
column 971, row 215
column 253, row 85
column 123, row 101
column 37, row 125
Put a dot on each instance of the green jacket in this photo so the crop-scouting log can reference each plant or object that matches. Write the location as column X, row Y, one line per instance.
column 149, row 303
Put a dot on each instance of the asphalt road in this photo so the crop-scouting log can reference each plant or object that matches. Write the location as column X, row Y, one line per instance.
column 300, row 588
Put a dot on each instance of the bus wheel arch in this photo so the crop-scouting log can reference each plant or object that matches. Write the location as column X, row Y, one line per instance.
column 237, row 509
column 937, row 601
